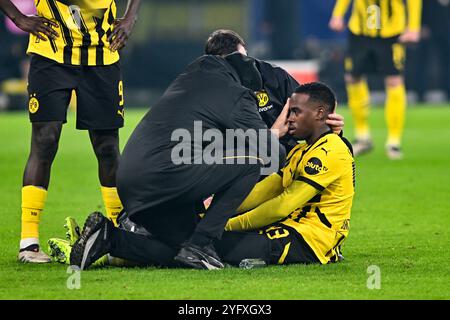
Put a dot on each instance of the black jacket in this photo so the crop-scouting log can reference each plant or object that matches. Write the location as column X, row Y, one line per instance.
column 279, row 86
column 209, row 90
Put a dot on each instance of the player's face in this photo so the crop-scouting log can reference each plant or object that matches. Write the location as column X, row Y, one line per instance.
column 301, row 118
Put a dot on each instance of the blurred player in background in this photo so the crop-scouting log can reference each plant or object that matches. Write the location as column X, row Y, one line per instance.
column 378, row 32
column 74, row 46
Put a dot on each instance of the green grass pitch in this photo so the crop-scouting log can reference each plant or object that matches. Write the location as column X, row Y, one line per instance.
column 400, row 223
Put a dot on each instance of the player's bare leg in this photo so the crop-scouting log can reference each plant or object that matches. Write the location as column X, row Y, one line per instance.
column 44, row 145
column 106, row 148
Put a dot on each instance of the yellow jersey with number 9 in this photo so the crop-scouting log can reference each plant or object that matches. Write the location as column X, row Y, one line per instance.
column 381, row 18
column 84, row 28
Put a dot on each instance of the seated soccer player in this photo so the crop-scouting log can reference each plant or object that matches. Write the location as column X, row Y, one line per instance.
column 299, row 215
column 303, row 210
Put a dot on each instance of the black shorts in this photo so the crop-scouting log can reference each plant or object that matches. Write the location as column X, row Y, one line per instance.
column 275, row 244
column 99, row 91
column 384, row 56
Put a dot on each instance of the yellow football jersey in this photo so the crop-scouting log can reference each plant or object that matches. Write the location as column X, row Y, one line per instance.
column 323, row 221
column 380, row 18
column 84, row 27
column 312, row 194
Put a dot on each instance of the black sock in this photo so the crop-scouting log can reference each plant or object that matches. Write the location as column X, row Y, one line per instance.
column 200, row 239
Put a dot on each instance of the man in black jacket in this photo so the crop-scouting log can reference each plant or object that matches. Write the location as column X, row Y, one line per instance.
column 166, row 167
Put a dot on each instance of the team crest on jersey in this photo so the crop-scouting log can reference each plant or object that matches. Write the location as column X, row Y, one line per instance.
column 33, row 104
column 314, row 166
column 263, row 98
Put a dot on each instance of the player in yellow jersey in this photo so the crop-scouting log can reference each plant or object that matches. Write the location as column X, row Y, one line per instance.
column 298, row 215
column 306, row 206
column 74, row 47
column 379, row 29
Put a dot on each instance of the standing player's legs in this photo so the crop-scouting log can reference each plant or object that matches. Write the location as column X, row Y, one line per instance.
column 392, row 57
column 357, row 63
column 101, row 111
column 359, row 104
column 36, row 178
column 49, row 86
column 395, row 111
column 106, row 148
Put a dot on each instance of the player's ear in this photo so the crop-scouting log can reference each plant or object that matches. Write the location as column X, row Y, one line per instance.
column 320, row 113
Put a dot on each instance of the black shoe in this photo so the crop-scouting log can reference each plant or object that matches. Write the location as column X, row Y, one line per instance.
column 126, row 224
column 199, row 257
column 93, row 242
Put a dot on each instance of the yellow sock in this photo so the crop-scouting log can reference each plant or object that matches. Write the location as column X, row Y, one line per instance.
column 112, row 202
column 358, row 102
column 395, row 110
column 33, row 200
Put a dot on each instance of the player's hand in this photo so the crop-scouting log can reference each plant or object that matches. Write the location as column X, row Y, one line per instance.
column 337, row 24
column 409, row 36
column 336, row 122
column 39, row 26
column 281, row 126
column 121, row 32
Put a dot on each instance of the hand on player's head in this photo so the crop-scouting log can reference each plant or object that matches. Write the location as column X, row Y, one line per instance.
column 336, row 122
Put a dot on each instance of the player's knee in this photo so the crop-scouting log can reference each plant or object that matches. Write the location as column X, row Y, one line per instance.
column 352, row 79
column 45, row 145
column 393, row 81
column 107, row 151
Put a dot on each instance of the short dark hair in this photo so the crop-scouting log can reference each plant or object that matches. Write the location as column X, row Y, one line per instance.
column 319, row 92
column 222, row 42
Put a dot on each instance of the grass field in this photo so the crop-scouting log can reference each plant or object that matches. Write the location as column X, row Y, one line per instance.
column 400, row 223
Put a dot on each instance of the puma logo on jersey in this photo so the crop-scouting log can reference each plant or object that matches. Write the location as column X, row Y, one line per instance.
column 326, row 151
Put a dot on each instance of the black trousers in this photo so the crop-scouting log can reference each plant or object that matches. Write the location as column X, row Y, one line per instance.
column 276, row 244
column 174, row 222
